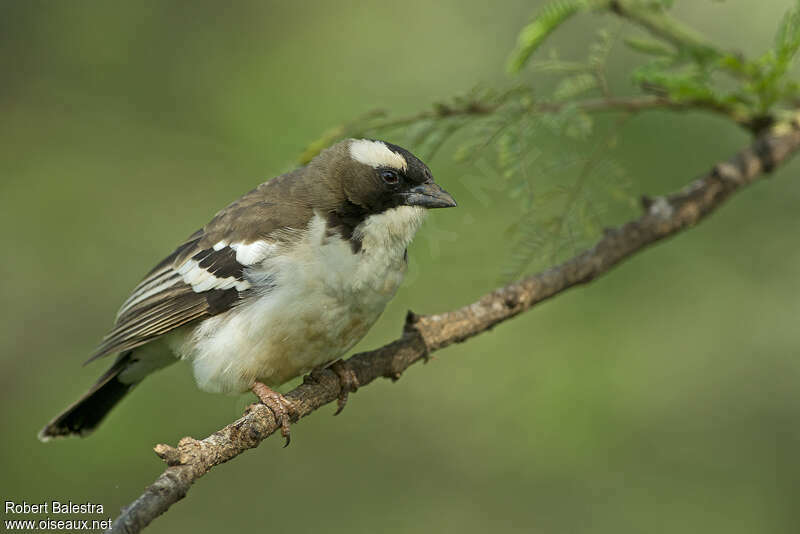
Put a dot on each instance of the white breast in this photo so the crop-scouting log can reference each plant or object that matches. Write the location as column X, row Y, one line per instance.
column 317, row 299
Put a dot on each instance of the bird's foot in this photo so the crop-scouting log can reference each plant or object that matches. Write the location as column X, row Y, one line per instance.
column 280, row 406
column 348, row 383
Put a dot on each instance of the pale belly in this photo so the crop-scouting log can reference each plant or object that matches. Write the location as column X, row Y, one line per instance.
column 284, row 334
column 318, row 333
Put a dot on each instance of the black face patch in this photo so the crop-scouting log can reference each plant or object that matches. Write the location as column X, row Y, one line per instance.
column 417, row 171
column 343, row 222
column 377, row 188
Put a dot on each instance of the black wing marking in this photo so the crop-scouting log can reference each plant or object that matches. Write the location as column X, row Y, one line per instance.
column 190, row 284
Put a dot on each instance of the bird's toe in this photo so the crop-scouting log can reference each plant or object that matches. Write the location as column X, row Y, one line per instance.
column 348, row 383
column 280, row 406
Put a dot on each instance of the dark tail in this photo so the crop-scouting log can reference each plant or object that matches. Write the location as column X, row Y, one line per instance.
column 83, row 416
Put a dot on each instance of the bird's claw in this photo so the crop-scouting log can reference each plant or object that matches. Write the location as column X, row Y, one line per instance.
column 348, row 383
column 279, row 405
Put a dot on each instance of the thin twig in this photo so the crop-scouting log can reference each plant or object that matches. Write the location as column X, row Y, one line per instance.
column 663, row 217
column 633, row 104
column 660, row 24
column 377, row 121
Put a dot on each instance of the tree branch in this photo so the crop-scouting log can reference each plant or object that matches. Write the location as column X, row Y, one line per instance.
column 376, row 120
column 632, row 104
column 422, row 334
column 660, row 24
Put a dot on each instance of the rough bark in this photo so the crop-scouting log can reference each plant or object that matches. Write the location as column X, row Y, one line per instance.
column 422, row 334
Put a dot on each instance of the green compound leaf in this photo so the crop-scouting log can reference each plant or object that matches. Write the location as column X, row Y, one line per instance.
column 648, row 46
column 542, row 25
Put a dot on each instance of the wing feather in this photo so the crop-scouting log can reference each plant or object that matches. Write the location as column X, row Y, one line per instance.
column 193, row 282
column 206, row 275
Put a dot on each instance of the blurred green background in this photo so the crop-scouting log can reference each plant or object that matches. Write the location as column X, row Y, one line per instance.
column 661, row 398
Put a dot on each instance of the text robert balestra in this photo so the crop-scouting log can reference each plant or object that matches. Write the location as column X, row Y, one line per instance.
column 52, row 507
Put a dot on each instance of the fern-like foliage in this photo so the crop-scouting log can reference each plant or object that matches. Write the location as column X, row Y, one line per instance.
column 542, row 25
column 749, row 89
column 549, row 152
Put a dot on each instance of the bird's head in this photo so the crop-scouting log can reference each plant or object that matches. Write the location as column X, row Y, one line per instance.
column 378, row 176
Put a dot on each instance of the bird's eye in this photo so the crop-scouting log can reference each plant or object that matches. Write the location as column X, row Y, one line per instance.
column 389, row 176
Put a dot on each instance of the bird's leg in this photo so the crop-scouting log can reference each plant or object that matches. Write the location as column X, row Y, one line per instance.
column 280, row 406
column 348, row 383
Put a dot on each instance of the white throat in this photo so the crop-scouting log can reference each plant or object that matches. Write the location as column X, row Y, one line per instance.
column 390, row 232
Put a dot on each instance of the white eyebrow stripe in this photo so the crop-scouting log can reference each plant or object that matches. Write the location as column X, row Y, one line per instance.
column 376, row 154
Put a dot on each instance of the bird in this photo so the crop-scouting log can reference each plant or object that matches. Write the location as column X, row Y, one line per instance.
column 281, row 282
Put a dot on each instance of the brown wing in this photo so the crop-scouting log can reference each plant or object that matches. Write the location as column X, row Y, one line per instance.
column 191, row 283
column 205, row 275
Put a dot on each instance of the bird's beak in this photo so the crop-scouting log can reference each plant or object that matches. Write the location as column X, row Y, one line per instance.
column 428, row 195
